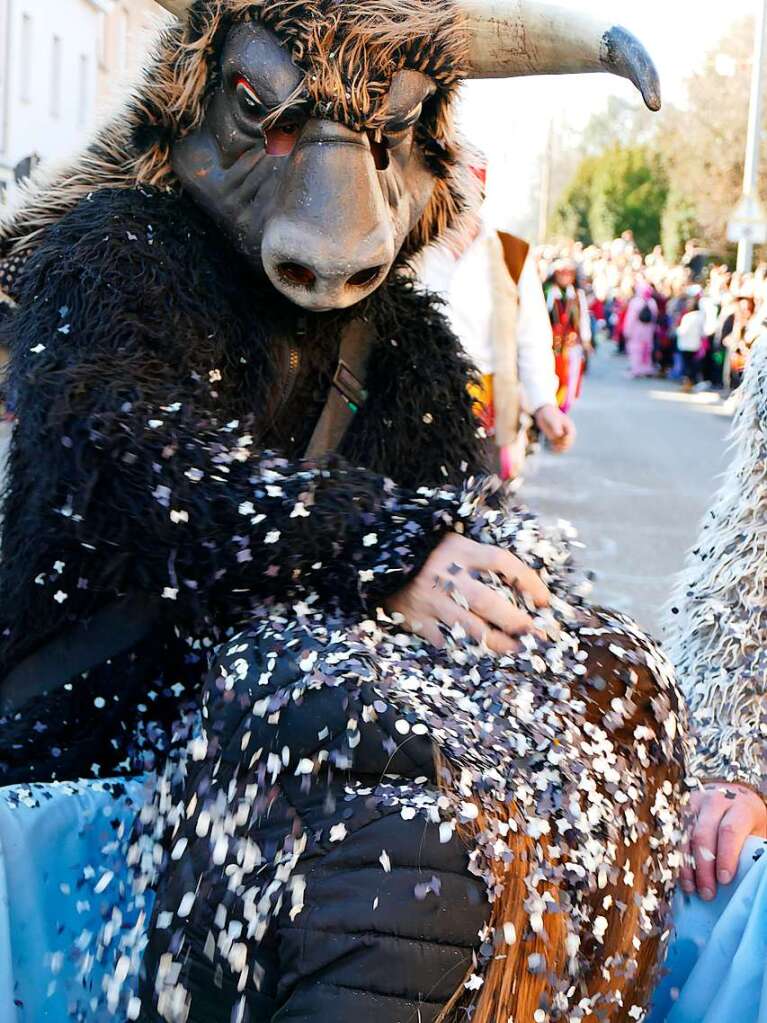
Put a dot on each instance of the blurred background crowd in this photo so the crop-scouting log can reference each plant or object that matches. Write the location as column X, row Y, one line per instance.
column 693, row 321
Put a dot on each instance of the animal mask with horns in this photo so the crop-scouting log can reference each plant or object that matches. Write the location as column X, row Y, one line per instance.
column 317, row 133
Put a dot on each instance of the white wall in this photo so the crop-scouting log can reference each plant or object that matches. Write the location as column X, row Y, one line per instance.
column 48, row 75
column 4, row 15
column 127, row 34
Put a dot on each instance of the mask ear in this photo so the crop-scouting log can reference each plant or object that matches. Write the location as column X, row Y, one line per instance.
column 408, row 89
column 177, row 7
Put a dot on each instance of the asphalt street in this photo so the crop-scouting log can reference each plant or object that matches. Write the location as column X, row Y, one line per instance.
column 637, row 484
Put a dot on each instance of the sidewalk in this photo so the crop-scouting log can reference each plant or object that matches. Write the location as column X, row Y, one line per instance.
column 636, row 485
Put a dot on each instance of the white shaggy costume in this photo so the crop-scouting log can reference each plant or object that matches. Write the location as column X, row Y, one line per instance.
column 718, row 630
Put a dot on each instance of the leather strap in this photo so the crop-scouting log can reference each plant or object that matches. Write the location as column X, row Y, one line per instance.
column 121, row 626
column 109, row 632
column 347, row 392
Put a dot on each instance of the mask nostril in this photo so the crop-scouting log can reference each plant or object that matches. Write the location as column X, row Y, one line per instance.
column 364, row 277
column 296, row 274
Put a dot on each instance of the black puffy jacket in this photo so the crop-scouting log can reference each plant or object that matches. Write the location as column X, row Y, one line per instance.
column 390, row 914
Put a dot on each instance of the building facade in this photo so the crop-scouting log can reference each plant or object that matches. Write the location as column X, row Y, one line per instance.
column 125, row 34
column 61, row 64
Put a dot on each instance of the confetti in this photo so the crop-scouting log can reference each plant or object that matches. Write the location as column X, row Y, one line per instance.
column 547, row 773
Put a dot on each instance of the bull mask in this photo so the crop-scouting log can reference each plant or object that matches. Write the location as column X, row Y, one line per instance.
column 327, row 231
column 516, row 38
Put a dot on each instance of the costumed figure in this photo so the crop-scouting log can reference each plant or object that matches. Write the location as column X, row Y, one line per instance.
column 494, row 302
column 571, row 327
column 392, row 772
column 717, row 639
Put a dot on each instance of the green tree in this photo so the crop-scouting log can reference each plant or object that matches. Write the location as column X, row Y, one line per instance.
column 703, row 144
column 572, row 216
column 622, row 122
column 679, row 225
column 697, row 150
column 624, row 188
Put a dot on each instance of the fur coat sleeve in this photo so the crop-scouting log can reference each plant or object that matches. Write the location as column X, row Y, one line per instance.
column 126, row 472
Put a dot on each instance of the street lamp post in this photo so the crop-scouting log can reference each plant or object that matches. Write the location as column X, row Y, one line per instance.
column 544, row 199
column 754, row 142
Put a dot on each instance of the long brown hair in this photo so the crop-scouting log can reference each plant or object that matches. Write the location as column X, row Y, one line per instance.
column 617, row 971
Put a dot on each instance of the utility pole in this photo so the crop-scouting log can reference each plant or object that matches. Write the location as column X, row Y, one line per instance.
column 754, row 143
column 544, row 199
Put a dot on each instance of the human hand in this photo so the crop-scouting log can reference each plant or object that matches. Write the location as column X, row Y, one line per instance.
column 725, row 816
column 556, row 427
column 446, row 592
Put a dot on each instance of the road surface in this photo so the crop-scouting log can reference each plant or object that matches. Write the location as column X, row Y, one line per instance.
column 636, row 485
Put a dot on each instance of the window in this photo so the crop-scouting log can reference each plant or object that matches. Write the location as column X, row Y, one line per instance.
column 83, row 101
column 27, row 42
column 121, row 40
column 102, row 41
column 56, row 77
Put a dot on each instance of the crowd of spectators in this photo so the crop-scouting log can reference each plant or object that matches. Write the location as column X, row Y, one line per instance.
column 694, row 321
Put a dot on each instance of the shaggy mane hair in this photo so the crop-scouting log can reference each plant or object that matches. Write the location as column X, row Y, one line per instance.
column 349, row 52
column 717, row 619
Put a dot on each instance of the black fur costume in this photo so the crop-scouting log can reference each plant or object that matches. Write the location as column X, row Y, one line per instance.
column 149, row 369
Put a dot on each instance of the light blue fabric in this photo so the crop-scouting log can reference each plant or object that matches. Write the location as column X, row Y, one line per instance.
column 717, row 962
column 57, row 844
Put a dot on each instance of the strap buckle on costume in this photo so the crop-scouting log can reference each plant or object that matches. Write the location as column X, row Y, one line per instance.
column 349, row 387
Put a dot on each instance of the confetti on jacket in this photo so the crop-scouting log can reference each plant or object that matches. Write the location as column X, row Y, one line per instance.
column 328, row 752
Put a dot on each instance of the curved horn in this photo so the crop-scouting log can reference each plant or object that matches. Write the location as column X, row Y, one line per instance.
column 511, row 38
column 177, row 7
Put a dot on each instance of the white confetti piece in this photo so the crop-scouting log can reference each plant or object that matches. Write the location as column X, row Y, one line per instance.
column 338, row 833
column 186, row 905
column 103, row 882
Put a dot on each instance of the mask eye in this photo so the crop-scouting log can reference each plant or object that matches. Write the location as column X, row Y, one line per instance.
column 247, row 98
column 281, row 138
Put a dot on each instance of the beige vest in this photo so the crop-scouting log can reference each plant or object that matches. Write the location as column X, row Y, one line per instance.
column 507, row 259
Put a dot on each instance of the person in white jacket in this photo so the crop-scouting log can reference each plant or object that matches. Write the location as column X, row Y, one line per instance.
column 495, row 303
column 689, row 338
